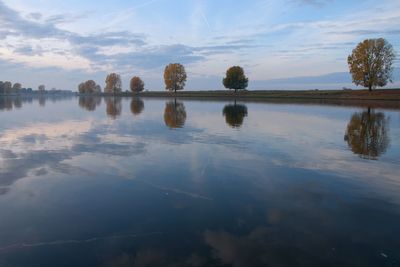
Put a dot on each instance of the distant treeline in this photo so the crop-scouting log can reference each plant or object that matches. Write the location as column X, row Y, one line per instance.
column 7, row 88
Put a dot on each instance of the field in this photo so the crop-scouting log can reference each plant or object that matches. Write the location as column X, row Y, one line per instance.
column 383, row 94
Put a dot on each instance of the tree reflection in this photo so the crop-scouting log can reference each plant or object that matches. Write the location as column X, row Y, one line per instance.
column 174, row 114
column 6, row 103
column 114, row 107
column 17, row 102
column 137, row 106
column 89, row 102
column 367, row 134
column 234, row 114
column 42, row 101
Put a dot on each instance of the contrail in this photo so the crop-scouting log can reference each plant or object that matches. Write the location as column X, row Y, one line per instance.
column 74, row 241
column 145, row 3
column 205, row 19
column 175, row 190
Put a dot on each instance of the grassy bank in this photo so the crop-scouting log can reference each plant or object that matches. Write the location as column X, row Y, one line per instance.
column 380, row 94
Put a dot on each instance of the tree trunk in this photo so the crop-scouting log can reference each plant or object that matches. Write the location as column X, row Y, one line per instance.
column 370, row 88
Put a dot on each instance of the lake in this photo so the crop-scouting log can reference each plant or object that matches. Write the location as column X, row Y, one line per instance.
column 163, row 182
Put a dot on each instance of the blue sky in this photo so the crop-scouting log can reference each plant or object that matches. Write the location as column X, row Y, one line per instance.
column 61, row 43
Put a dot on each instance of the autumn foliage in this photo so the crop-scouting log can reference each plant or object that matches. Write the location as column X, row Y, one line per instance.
column 371, row 63
column 113, row 83
column 136, row 84
column 175, row 77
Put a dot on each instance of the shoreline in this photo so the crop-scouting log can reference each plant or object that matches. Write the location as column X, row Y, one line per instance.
column 378, row 95
column 389, row 95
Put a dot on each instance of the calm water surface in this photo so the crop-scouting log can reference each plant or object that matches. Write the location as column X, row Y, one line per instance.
column 146, row 182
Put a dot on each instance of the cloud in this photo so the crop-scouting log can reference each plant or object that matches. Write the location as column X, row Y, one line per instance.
column 317, row 3
column 103, row 50
column 36, row 40
column 35, row 16
column 29, row 50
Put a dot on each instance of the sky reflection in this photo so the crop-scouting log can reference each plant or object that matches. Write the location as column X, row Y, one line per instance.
column 192, row 183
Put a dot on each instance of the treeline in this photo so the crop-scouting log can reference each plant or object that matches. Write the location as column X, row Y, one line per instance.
column 174, row 78
column 113, row 85
column 370, row 65
column 7, row 88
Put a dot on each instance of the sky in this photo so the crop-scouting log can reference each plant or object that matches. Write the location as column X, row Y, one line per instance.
column 285, row 44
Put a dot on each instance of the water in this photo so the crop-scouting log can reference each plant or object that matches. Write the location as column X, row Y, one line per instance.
column 158, row 182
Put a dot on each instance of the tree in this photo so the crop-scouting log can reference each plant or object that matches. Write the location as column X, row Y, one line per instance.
column 137, row 106
column 1, row 88
column 174, row 114
column 367, row 134
column 234, row 115
column 235, row 79
column 113, row 83
column 371, row 63
column 89, row 87
column 174, row 77
column 16, row 87
column 7, row 87
column 136, row 85
column 42, row 88
column 81, row 88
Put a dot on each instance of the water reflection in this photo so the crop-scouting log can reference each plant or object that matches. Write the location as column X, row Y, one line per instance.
column 42, row 101
column 174, row 114
column 89, row 102
column 367, row 134
column 234, row 114
column 137, row 106
column 9, row 103
column 6, row 103
column 114, row 107
column 17, row 103
column 200, row 196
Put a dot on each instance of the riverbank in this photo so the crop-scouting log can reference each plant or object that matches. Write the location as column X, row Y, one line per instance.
column 380, row 94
